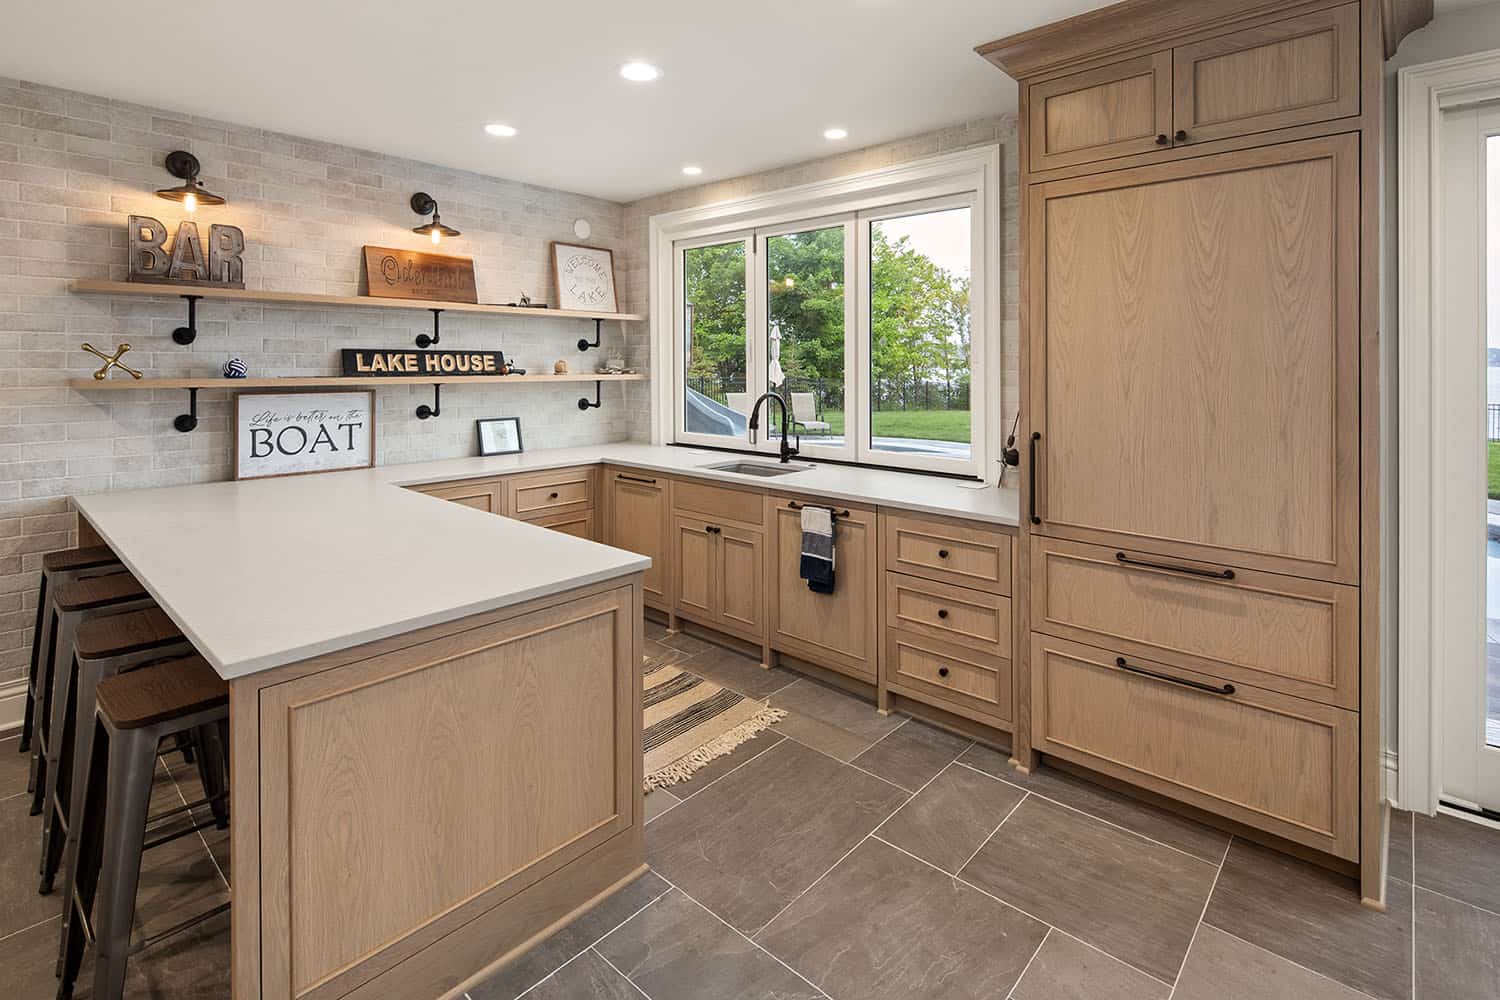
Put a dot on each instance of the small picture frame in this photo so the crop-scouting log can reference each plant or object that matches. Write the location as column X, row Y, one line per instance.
column 584, row 278
column 499, row 436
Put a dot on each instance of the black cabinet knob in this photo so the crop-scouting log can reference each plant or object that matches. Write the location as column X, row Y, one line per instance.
column 942, row 553
column 942, row 612
column 942, row 671
column 1161, row 139
column 1181, row 136
column 551, row 496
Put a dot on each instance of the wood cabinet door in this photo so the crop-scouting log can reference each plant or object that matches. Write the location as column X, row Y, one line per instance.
column 837, row 630
column 1304, row 69
column 741, row 579
column 695, row 561
column 1117, row 110
column 638, row 519
column 1195, row 358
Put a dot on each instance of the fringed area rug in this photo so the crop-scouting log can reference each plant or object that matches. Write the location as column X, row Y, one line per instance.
column 690, row 721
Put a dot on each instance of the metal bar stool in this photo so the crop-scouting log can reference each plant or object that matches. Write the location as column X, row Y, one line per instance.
column 58, row 568
column 137, row 710
column 75, row 603
column 103, row 646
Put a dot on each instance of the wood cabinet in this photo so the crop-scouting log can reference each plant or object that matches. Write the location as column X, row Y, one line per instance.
column 963, row 554
column 487, row 495
column 1275, row 74
column 1303, row 69
column 1117, row 110
column 579, row 523
column 972, row 618
column 638, row 518
column 838, row 630
column 551, row 492
column 958, row 679
column 719, row 575
column 1278, row 632
column 1195, row 357
column 1280, row 763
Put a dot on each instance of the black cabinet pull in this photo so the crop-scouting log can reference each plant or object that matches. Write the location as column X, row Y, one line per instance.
column 1031, row 477
column 712, row 530
column 636, row 479
column 942, row 612
column 1181, row 136
column 1212, row 574
column 942, row 553
column 1124, row 664
column 1161, row 139
column 942, row 671
column 551, row 496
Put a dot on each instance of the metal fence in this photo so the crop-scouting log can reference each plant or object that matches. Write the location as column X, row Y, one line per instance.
column 1494, row 423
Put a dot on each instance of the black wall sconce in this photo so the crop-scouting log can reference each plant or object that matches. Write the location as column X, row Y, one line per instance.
column 423, row 204
column 190, row 193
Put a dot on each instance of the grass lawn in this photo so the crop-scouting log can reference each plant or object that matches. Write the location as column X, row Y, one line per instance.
column 1494, row 470
column 931, row 425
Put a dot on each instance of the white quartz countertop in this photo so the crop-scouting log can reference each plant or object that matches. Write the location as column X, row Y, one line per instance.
column 262, row 573
column 908, row 491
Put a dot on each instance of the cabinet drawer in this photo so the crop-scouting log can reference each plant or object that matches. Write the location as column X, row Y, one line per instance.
column 556, row 489
column 1304, row 69
column 1286, row 633
column 970, row 618
column 1278, row 763
column 578, row 523
column 1116, row 110
column 948, row 675
column 964, row 555
column 482, row 494
column 718, row 502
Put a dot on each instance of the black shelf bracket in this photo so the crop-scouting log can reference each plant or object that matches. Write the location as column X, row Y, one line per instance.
column 584, row 344
column 436, row 409
column 188, row 421
column 425, row 341
column 185, row 335
column 583, row 401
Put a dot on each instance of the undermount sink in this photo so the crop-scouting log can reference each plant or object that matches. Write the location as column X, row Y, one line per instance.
column 764, row 469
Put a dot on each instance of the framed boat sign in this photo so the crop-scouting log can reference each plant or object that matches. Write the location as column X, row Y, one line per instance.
column 296, row 433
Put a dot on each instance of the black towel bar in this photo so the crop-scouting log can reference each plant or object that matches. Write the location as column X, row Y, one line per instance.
column 794, row 505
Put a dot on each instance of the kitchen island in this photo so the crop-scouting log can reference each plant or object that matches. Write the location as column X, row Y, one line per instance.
column 435, row 721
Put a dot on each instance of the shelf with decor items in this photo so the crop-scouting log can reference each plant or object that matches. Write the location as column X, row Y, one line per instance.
column 137, row 289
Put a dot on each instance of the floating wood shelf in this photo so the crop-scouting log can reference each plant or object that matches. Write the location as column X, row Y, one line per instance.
column 139, row 289
column 314, row 381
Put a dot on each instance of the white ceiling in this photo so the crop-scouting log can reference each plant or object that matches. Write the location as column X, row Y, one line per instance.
column 748, row 85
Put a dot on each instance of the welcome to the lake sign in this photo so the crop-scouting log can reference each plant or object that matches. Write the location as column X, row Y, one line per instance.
column 291, row 433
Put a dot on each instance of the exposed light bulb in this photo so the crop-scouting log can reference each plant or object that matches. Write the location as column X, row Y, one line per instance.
column 437, row 237
column 190, row 201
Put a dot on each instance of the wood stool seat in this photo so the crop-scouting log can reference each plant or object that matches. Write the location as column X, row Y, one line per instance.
column 131, row 632
column 160, row 692
column 98, row 591
column 92, row 557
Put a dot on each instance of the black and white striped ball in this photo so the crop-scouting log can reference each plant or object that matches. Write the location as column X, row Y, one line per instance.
column 235, row 368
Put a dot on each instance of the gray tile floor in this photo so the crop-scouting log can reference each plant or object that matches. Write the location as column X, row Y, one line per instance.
column 845, row 856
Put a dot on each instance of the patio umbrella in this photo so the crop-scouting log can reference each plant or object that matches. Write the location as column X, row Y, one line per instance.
column 774, row 374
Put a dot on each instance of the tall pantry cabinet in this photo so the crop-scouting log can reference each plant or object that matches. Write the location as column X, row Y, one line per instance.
column 1199, row 590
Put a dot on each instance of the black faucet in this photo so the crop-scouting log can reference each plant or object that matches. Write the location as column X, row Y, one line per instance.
column 787, row 451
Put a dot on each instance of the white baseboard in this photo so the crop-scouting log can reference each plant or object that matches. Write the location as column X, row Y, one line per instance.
column 12, row 705
column 1392, row 772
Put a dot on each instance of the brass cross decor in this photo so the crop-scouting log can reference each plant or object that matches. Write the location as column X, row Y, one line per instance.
column 111, row 361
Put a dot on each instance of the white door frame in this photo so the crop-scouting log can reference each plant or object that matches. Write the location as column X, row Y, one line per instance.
column 1423, row 93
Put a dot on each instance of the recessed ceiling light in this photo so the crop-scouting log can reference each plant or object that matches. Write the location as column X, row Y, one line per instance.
column 504, row 131
column 836, row 133
column 692, row 171
column 640, row 72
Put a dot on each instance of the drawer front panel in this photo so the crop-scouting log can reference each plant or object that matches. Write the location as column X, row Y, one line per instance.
column 1285, row 633
column 550, row 491
column 1278, row 763
column 939, row 671
column 579, row 524
column 970, row 618
column 951, row 553
column 717, row 502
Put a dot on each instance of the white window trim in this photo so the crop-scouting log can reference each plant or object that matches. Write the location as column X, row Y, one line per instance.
column 975, row 172
column 1423, row 93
